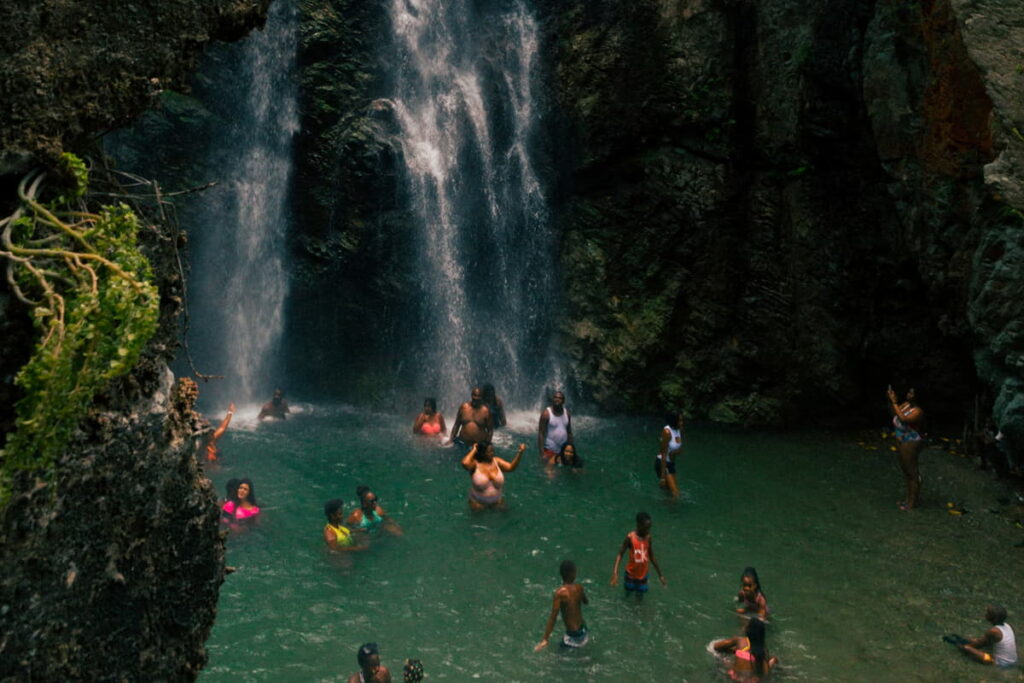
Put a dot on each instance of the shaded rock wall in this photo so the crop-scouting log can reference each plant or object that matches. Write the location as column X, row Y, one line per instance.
column 111, row 566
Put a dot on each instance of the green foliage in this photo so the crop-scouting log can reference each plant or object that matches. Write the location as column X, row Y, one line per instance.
column 92, row 302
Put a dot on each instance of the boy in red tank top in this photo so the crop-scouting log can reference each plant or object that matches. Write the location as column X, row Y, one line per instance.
column 641, row 555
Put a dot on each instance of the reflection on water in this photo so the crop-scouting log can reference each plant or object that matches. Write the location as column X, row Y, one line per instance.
column 858, row 590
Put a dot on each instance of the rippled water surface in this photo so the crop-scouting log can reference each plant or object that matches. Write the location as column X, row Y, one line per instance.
column 859, row 591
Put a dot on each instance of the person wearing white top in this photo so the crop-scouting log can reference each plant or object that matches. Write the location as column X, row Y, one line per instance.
column 1000, row 637
column 670, row 448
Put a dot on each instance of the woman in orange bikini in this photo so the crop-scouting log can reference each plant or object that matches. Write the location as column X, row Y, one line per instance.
column 751, row 659
column 429, row 422
column 488, row 475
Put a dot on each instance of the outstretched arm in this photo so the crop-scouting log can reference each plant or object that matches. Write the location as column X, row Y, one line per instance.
column 509, row 466
column 654, row 561
column 556, row 605
column 224, row 423
column 618, row 559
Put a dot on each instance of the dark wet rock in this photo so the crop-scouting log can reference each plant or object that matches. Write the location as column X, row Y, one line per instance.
column 111, row 564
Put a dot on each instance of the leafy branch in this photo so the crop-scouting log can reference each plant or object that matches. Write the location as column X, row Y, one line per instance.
column 91, row 297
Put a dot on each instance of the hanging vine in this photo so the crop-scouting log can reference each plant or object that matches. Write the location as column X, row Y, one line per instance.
column 93, row 304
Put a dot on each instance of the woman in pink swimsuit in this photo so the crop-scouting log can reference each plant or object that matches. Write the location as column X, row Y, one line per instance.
column 241, row 508
column 429, row 422
column 751, row 659
column 488, row 475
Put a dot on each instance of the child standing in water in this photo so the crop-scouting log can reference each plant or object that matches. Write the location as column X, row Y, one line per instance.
column 569, row 600
column 641, row 555
column 754, row 601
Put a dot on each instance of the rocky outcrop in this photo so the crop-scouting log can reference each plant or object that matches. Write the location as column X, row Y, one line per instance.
column 74, row 70
column 112, row 562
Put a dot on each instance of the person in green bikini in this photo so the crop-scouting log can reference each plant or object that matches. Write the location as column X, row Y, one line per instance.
column 370, row 515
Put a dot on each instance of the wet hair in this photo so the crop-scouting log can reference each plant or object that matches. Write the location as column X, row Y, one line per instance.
column 489, row 393
column 563, row 460
column 755, row 634
column 231, row 488
column 412, row 672
column 672, row 419
column 642, row 517
column 481, row 448
column 752, row 573
column 365, row 652
column 332, row 506
column 431, row 402
column 361, row 492
column 998, row 613
column 252, row 491
column 567, row 569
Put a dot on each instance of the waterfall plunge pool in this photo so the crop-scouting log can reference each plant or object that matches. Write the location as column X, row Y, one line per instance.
column 858, row 590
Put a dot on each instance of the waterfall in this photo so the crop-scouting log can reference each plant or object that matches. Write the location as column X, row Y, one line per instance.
column 238, row 280
column 465, row 104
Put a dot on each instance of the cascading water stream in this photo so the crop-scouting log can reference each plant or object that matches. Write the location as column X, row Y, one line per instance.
column 464, row 101
column 238, row 280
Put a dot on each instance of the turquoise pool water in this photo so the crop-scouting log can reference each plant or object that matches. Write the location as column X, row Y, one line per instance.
column 858, row 590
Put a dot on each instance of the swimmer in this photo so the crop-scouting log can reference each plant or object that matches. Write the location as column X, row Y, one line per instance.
column 554, row 429
column 569, row 599
column 488, row 475
column 370, row 669
column 1000, row 638
column 370, row 515
column 241, row 507
column 429, row 422
column 473, row 421
column 908, row 425
column 211, row 443
column 669, row 450
column 336, row 536
column 641, row 554
column 276, row 407
column 412, row 671
column 751, row 659
column 495, row 405
column 754, row 601
column 568, row 457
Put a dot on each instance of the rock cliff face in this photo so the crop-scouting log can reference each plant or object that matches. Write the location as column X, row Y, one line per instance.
column 763, row 206
column 111, row 566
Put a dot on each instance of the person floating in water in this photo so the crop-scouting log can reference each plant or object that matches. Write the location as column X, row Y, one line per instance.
column 641, row 554
column 337, row 536
column 241, row 508
column 370, row 515
column 554, row 429
column 473, row 422
column 370, row 668
column 752, row 598
column 751, row 660
column 211, row 443
column 276, row 407
column 429, row 422
column 1000, row 638
column 669, row 450
column 908, row 424
column 487, row 473
column 568, row 600
column 495, row 405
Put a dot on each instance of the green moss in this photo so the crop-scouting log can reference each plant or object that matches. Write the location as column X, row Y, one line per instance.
column 93, row 306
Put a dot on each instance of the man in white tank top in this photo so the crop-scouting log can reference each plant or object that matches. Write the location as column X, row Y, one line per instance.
column 554, row 429
column 1000, row 637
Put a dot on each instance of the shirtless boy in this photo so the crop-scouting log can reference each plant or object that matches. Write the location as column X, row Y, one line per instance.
column 569, row 600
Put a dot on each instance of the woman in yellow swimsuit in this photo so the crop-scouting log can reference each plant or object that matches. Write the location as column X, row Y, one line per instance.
column 337, row 536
